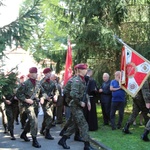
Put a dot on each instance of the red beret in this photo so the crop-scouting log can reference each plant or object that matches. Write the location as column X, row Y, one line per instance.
column 75, row 67
column 21, row 77
column 46, row 70
column 33, row 70
column 81, row 66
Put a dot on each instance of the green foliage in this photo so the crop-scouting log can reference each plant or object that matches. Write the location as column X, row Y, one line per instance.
column 7, row 84
column 19, row 30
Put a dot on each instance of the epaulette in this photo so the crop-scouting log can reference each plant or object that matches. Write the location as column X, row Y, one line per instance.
column 77, row 80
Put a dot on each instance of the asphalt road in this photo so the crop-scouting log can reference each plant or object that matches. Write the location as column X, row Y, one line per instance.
column 19, row 144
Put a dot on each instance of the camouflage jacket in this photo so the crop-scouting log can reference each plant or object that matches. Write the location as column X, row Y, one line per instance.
column 78, row 88
column 67, row 90
column 144, row 93
column 48, row 89
column 26, row 90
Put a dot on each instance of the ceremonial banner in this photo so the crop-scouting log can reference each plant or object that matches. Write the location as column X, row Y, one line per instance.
column 135, row 69
column 68, row 69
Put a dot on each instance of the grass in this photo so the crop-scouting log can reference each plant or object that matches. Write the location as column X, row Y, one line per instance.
column 116, row 139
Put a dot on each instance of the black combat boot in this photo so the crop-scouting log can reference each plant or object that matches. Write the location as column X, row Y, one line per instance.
column 87, row 146
column 12, row 135
column 144, row 136
column 77, row 137
column 5, row 129
column 126, row 129
column 35, row 142
column 62, row 142
column 62, row 132
column 24, row 136
column 48, row 135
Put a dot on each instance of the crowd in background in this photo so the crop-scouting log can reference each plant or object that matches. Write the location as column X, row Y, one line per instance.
column 58, row 101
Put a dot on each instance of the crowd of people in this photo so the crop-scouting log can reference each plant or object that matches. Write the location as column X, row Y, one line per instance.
column 76, row 100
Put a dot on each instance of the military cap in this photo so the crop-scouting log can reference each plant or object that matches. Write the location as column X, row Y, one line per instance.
column 46, row 70
column 81, row 66
column 33, row 70
column 75, row 67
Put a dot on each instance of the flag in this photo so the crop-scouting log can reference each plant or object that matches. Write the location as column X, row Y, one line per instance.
column 135, row 69
column 68, row 64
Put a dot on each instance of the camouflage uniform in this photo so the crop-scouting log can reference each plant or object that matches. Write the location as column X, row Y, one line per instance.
column 4, row 117
column 77, row 90
column 25, row 91
column 67, row 99
column 23, row 115
column 144, row 136
column 70, row 123
column 48, row 89
column 11, row 112
column 138, row 105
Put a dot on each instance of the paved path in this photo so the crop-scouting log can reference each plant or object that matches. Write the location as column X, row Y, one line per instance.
column 19, row 144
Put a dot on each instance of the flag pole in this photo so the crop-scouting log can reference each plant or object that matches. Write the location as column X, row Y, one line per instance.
column 122, row 42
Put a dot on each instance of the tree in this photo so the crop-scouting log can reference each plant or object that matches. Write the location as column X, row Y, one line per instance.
column 92, row 24
column 16, row 33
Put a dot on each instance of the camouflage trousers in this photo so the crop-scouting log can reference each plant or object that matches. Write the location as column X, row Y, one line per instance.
column 23, row 115
column 11, row 113
column 3, row 111
column 148, row 125
column 79, row 122
column 71, row 124
column 48, row 115
column 32, row 123
column 138, row 106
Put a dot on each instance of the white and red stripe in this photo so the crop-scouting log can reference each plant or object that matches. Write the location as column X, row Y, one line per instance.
column 135, row 70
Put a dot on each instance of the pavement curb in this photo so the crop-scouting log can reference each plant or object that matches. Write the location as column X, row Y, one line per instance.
column 99, row 144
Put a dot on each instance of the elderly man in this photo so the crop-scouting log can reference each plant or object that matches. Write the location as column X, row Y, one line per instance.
column 105, row 98
column 118, row 101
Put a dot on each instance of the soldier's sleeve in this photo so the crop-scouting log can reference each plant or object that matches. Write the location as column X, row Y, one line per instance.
column 75, row 87
column 20, row 94
column 146, row 92
column 56, row 91
column 42, row 92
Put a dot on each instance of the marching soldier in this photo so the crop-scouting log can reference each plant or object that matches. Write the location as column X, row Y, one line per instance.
column 138, row 105
column 144, row 136
column 77, row 104
column 48, row 95
column 67, row 99
column 28, row 94
column 11, row 104
column 23, row 115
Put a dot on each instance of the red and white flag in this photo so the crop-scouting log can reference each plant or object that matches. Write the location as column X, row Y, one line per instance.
column 135, row 69
column 68, row 69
